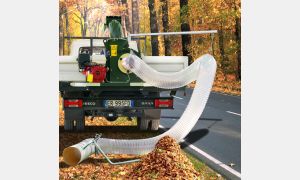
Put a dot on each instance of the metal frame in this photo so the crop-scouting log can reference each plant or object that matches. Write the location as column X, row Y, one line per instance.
column 138, row 36
column 91, row 40
column 172, row 33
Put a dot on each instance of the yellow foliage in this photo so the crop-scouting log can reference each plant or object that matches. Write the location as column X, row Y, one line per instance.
column 200, row 14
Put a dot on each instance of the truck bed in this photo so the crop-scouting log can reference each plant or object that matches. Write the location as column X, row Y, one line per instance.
column 69, row 72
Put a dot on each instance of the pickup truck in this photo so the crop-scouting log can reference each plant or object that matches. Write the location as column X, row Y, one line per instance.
column 93, row 81
column 118, row 92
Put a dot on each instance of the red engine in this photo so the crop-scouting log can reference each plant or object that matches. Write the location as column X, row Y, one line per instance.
column 95, row 73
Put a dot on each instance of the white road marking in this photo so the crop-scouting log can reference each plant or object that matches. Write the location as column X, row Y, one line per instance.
column 214, row 160
column 224, row 166
column 177, row 97
column 233, row 113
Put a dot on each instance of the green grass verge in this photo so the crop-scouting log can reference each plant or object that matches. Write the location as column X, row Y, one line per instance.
column 205, row 171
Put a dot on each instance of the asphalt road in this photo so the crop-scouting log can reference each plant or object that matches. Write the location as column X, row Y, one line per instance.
column 218, row 131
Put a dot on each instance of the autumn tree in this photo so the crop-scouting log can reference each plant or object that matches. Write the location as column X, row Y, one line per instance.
column 237, row 7
column 229, row 20
column 135, row 16
column 186, row 39
column 165, row 23
column 63, row 22
column 94, row 23
column 87, row 17
column 126, row 14
column 153, row 28
column 84, row 10
column 62, row 8
column 224, row 57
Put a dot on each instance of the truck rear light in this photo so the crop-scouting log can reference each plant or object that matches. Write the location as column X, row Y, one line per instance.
column 73, row 103
column 166, row 103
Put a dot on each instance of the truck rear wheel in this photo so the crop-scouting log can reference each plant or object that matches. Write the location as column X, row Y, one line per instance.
column 150, row 120
column 68, row 125
column 80, row 124
column 142, row 124
column 155, row 125
column 72, row 115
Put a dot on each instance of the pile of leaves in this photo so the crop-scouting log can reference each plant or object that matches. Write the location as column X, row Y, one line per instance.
column 166, row 161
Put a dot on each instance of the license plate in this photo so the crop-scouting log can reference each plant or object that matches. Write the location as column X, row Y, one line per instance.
column 118, row 103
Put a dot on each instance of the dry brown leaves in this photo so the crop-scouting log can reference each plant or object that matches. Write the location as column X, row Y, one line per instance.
column 224, row 84
column 95, row 167
column 166, row 161
column 227, row 84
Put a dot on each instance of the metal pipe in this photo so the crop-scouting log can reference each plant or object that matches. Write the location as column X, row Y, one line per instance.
column 175, row 33
column 113, row 163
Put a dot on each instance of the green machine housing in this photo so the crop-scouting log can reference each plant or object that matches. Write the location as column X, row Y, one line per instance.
column 116, row 49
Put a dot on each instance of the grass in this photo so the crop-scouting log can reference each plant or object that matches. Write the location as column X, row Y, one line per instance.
column 205, row 171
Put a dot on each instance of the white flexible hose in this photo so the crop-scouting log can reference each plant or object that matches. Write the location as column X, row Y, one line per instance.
column 202, row 70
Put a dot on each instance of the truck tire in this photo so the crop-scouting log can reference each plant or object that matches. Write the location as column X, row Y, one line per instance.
column 153, row 115
column 150, row 120
column 154, row 125
column 68, row 125
column 142, row 123
column 72, row 115
column 80, row 124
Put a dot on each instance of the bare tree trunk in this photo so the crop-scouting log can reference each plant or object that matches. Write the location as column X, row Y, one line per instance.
column 82, row 29
column 84, row 23
column 224, row 58
column 186, row 39
column 61, row 28
column 135, row 17
column 165, row 22
column 238, row 40
column 61, row 32
column 153, row 28
column 97, row 28
column 126, row 13
column 123, row 21
column 68, row 31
